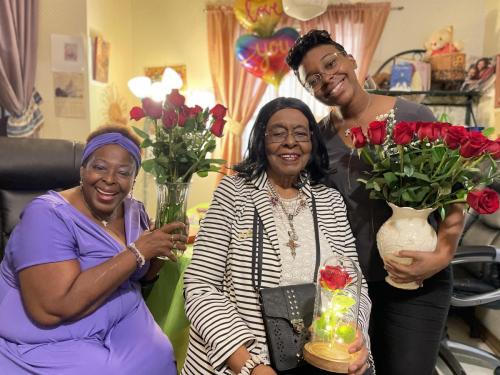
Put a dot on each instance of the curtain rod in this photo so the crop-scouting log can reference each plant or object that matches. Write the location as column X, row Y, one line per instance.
column 397, row 8
column 392, row 8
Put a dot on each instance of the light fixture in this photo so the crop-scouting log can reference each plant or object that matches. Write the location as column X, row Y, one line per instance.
column 171, row 79
column 140, row 86
column 304, row 9
column 203, row 98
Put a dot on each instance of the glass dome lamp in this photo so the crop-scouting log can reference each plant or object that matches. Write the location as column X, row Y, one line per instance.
column 336, row 313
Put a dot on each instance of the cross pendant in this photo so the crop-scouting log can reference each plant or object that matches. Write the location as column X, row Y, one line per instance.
column 105, row 223
column 293, row 246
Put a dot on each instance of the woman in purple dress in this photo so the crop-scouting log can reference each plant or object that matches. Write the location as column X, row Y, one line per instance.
column 70, row 299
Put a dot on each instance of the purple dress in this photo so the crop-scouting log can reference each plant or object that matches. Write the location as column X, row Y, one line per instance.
column 120, row 337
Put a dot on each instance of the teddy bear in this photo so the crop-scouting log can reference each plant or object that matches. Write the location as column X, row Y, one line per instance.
column 442, row 42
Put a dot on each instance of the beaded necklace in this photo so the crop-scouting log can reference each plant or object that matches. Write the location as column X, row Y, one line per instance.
column 300, row 204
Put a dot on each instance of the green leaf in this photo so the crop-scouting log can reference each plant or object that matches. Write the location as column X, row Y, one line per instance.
column 147, row 142
column 409, row 170
column 147, row 165
column 141, row 133
column 390, row 178
column 488, row 131
column 421, row 176
column 202, row 173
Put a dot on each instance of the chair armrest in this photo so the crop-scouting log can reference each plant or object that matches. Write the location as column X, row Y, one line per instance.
column 476, row 300
column 474, row 254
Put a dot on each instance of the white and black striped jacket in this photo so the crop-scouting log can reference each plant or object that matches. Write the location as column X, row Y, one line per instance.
column 220, row 302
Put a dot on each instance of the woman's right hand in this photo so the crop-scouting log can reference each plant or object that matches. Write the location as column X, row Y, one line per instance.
column 161, row 241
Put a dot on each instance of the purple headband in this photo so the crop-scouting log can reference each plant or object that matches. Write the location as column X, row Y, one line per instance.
column 109, row 139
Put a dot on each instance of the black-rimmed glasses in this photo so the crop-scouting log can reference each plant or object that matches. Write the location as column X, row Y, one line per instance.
column 279, row 136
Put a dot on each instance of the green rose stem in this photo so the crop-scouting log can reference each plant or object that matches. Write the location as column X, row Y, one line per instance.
column 205, row 139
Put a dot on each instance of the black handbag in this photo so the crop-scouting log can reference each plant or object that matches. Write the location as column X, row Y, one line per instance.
column 287, row 311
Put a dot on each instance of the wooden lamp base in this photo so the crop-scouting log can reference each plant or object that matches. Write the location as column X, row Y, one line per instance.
column 324, row 357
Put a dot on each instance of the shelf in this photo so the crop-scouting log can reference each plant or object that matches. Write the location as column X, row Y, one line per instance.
column 441, row 98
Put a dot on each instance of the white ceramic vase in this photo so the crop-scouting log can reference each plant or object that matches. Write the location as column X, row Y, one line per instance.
column 406, row 229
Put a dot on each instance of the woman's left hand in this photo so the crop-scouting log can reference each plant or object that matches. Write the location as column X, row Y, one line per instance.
column 360, row 364
column 424, row 265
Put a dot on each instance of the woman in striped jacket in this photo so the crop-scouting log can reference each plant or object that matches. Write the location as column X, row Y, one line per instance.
column 285, row 162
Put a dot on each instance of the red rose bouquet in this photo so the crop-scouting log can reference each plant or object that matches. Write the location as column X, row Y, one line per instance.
column 182, row 138
column 428, row 164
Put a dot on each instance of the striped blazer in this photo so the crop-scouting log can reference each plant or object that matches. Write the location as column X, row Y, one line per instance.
column 221, row 304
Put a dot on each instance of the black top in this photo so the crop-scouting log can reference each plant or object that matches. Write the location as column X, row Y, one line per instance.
column 365, row 215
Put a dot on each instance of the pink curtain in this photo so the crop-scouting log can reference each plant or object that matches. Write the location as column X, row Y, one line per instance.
column 18, row 48
column 357, row 27
column 236, row 89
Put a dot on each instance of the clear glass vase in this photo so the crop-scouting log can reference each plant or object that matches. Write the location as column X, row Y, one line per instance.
column 171, row 205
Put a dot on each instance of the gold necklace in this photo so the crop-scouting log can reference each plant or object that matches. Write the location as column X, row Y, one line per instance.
column 277, row 201
column 347, row 132
column 103, row 221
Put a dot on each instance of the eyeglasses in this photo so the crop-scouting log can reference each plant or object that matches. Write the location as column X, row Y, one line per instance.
column 331, row 65
column 280, row 135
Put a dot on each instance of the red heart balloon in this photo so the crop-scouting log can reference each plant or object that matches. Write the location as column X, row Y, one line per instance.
column 265, row 57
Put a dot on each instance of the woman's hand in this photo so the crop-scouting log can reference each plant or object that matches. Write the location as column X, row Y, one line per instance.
column 161, row 241
column 424, row 265
column 263, row 370
column 360, row 364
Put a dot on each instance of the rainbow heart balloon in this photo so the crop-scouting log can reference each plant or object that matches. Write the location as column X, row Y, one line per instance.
column 265, row 57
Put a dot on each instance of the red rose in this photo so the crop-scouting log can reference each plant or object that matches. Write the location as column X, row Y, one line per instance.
column 493, row 148
column 334, row 277
column 441, row 128
column 169, row 119
column 218, row 127
column 193, row 112
column 358, row 138
column 483, row 201
column 455, row 136
column 376, row 132
column 176, row 99
column 182, row 118
column 425, row 131
column 403, row 132
column 136, row 113
column 151, row 108
column 474, row 145
column 218, row 111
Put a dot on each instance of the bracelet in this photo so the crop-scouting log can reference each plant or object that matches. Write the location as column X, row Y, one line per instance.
column 138, row 255
column 250, row 364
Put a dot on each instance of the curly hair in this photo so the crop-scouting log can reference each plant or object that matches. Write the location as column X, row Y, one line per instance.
column 256, row 162
column 305, row 43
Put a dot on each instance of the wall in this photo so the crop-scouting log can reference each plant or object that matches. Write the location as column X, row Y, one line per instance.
column 59, row 17
column 171, row 32
column 112, row 20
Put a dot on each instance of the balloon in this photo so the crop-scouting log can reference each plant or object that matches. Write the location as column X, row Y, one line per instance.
column 265, row 57
column 304, row 9
column 259, row 16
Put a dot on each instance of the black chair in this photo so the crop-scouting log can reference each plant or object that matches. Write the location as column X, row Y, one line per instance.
column 30, row 167
column 476, row 268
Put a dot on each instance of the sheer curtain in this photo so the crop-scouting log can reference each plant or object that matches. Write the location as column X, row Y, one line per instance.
column 357, row 27
column 18, row 46
column 236, row 89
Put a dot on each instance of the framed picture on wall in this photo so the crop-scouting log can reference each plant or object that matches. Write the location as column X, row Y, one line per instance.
column 101, row 59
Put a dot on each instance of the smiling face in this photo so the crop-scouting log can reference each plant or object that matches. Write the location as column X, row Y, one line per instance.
column 334, row 89
column 287, row 158
column 107, row 178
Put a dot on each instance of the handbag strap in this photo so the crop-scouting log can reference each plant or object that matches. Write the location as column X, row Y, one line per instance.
column 258, row 240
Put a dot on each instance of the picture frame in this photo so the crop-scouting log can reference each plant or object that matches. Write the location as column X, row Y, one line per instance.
column 101, row 59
